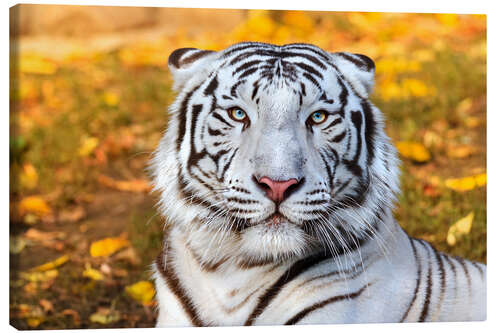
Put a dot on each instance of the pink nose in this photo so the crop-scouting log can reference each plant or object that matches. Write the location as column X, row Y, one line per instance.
column 275, row 190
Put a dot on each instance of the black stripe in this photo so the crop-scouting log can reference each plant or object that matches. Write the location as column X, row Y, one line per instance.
column 428, row 290
column 369, row 130
column 175, row 56
column 228, row 164
column 248, row 72
column 182, row 117
column 365, row 64
column 256, row 87
column 221, row 119
column 211, row 86
column 479, row 268
column 307, row 47
column 442, row 275
column 312, row 79
column 214, row 132
column 417, row 285
column 333, row 123
column 299, row 316
column 466, row 271
column 246, row 65
column 338, row 137
column 343, row 186
column 309, row 69
column 295, row 270
column 173, row 282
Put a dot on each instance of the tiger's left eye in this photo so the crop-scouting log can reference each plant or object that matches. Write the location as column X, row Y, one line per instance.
column 237, row 114
column 317, row 117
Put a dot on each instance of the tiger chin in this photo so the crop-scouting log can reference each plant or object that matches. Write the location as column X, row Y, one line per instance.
column 277, row 182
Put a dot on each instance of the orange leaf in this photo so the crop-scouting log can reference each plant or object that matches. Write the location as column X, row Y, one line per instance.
column 35, row 205
column 135, row 185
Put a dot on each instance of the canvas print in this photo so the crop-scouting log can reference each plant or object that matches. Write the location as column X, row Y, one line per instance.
column 198, row 167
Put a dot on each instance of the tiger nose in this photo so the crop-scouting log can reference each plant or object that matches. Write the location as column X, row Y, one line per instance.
column 277, row 191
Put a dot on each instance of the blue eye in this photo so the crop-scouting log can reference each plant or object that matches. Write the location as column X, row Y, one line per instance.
column 238, row 114
column 318, row 117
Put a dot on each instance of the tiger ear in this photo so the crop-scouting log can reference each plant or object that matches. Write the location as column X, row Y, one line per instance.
column 186, row 62
column 358, row 69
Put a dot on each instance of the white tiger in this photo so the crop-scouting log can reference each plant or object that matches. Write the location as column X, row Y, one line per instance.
column 278, row 181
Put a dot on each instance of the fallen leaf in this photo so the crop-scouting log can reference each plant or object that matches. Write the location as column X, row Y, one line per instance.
column 460, row 228
column 52, row 264
column 37, row 235
column 72, row 313
column 108, row 246
column 31, row 219
column 464, row 105
column 87, row 146
column 414, row 151
column 16, row 245
column 431, row 190
column 129, row 255
column 46, row 305
column 35, row 205
column 472, row 122
column 28, row 178
column 39, row 276
column 105, row 316
column 110, row 98
column 72, row 215
column 34, row 64
column 34, row 321
column 92, row 274
column 461, row 151
column 142, row 291
column 105, row 268
column 135, row 185
column 466, row 183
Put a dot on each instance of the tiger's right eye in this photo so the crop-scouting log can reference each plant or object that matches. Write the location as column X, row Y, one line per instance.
column 238, row 114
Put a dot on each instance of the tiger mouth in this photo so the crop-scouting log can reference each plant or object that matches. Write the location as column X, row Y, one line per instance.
column 275, row 220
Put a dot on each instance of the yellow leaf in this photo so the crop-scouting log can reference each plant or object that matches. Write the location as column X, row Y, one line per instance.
column 107, row 246
column 480, row 180
column 413, row 150
column 28, row 177
column 93, row 274
column 142, row 291
column 111, row 99
column 105, row 316
column 460, row 228
column 33, row 64
column 34, row 205
column 466, row 183
column 88, row 145
column 52, row 264
column 39, row 276
column 34, row 321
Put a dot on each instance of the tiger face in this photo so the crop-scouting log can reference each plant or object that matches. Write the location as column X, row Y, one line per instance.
column 275, row 150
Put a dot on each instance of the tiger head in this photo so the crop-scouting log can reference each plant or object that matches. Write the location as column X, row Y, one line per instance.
column 272, row 151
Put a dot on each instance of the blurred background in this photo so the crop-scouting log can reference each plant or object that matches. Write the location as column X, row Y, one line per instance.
column 89, row 91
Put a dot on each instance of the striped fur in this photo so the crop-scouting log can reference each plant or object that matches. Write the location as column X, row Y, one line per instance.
column 330, row 252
